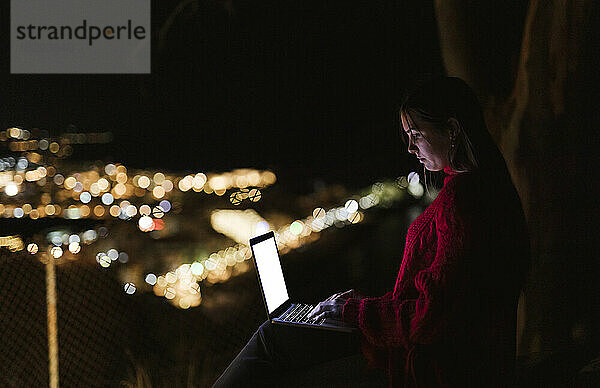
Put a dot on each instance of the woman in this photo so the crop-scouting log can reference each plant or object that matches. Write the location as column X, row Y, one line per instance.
column 451, row 317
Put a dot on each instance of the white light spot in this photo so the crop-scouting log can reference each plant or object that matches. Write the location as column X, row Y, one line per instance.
column 113, row 254
column 74, row 247
column 296, row 227
column 341, row 214
column 146, row 223
column 107, row 198
column 262, row 227
column 103, row 184
column 89, row 236
column 56, row 252
column 56, row 240
column 85, row 197
column 144, row 182
column 110, row 169
column 129, row 288
column 151, row 279
column 197, row 269
column 22, row 164
column 351, row 206
column 11, row 189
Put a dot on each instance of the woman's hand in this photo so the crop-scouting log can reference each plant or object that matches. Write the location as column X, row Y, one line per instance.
column 332, row 307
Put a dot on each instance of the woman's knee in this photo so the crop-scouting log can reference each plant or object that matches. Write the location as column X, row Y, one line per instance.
column 266, row 326
column 264, row 335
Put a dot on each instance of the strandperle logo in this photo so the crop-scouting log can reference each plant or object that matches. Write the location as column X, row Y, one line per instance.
column 83, row 31
column 80, row 36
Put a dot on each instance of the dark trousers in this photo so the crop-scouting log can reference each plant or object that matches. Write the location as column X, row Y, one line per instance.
column 277, row 352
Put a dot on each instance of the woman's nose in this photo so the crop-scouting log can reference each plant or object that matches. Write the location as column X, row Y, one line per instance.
column 411, row 147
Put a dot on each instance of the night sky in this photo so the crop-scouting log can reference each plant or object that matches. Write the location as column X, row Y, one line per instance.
column 308, row 89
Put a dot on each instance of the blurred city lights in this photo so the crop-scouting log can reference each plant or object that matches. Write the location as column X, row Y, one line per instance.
column 145, row 210
column 123, row 257
column 85, row 197
column 129, row 288
column 32, row 248
column 165, row 205
column 89, row 236
column 56, row 252
column 103, row 259
column 254, row 195
column 318, row 213
column 158, row 212
column 112, row 254
column 153, row 200
column 146, row 224
column 107, row 198
column 296, row 227
column 13, row 243
column 74, row 247
column 239, row 225
column 170, row 293
column 150, row 279
column 197, row 268
column 351, row 206
column 11, row 189
column 261, row 227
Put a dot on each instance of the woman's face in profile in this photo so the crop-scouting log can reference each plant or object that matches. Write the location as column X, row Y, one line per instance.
column 426, row 142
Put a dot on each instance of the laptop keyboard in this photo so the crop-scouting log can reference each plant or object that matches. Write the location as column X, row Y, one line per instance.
column 299, row 313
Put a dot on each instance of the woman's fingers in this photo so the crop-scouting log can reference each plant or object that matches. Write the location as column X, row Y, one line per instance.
column 346, row 294
column 332, row 297
column 332, row 307
column 327, row 308
column 320, row 308
column 316, row 310
column 334, row 303
column 324, row 315
column 343, row 295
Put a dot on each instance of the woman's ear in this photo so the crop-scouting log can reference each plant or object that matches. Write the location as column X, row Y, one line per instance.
column 454, row 127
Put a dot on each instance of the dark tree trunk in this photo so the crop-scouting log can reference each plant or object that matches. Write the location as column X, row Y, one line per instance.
column 544, row 129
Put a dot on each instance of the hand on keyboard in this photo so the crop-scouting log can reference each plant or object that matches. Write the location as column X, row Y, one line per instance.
column 331, row 307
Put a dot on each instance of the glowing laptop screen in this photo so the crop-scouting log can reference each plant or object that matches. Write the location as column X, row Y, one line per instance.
column 270, row 273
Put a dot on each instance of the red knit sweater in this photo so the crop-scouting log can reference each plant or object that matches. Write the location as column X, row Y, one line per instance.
column 450, row 320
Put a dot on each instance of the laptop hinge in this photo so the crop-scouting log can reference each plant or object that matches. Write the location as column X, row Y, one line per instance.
column 280, row 310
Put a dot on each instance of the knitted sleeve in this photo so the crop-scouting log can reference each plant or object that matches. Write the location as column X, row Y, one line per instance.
column 391, row 322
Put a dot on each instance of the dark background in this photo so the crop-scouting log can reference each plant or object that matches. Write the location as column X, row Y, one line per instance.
column 309, row 89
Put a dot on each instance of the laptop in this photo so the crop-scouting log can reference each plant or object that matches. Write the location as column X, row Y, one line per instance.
column 280, row 309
